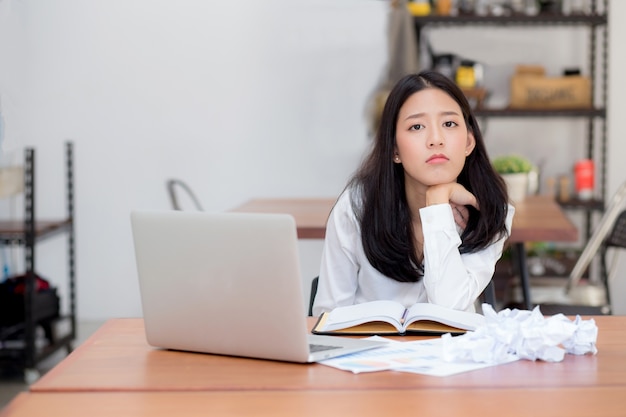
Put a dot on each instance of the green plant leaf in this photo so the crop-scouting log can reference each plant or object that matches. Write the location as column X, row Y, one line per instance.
column 511, row 164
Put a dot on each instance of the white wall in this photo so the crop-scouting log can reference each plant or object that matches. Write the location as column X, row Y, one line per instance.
column 240, row 99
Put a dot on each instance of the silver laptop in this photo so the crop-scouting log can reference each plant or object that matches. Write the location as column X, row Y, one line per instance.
column 228, row 284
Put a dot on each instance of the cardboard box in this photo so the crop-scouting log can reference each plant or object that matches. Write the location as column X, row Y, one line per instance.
column 531, row 89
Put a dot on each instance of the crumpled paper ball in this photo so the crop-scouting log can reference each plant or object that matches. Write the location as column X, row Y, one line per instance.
column 525, row 334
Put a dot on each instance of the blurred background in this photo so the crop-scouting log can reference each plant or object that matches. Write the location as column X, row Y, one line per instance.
column 239, row 99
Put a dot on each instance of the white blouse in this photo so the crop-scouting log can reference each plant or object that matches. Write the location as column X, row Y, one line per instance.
column 450, row 279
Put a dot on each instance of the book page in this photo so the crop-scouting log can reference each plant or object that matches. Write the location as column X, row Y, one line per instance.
column 432, row 327
column 455, row 318
column 370, row 328
column 348, row 316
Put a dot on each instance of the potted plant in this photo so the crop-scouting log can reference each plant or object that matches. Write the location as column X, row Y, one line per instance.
column 515, row 170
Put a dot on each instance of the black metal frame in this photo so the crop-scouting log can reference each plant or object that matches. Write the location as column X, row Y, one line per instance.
column 598, row 18
column 28, row 356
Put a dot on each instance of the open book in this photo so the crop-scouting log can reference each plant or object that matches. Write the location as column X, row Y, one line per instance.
column 390, row 317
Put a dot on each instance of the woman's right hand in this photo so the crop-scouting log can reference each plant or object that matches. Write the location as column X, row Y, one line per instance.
column 457, row 196
column 451, row 193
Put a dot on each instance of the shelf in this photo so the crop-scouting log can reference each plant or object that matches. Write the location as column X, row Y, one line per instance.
column 13, row 231
column 13, row 347
column 21, row 344
column 575, row 203
column 521, row 19
column 598, row 17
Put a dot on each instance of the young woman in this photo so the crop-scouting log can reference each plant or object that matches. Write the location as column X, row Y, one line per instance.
column 425, row 217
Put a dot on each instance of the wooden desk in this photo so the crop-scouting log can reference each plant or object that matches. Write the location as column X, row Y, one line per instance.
column 537, row 219
column 310, row 213
column 513, row 402
column 116, row 358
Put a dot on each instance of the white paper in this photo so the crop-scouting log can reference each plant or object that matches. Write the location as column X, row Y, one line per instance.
column 420, row 357
column 526, row 334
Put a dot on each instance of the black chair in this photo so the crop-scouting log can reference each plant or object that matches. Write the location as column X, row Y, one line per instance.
column 173, row 185
column 489, row 295
column 615, row 240
column 312, row 296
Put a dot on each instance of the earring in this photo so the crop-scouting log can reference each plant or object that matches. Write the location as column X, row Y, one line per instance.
column 397, row 158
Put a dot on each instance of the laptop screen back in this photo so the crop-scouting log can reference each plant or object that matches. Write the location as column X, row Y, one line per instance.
column 224, row 283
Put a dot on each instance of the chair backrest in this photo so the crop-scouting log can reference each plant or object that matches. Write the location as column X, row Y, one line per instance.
column 313, row 293
column 617, row 237
column 599, row 236
column 172, row 186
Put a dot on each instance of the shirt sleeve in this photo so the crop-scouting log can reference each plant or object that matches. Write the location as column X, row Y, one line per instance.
column 339, row 268
column 453, row 279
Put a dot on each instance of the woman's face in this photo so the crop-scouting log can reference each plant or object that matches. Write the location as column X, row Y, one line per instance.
column 432, row 139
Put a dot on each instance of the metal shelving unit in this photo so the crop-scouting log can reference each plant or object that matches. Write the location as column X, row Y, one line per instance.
column 596, row 21
column 18, row 344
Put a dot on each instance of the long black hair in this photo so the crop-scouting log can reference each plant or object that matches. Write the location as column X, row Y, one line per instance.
column 380, row 200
